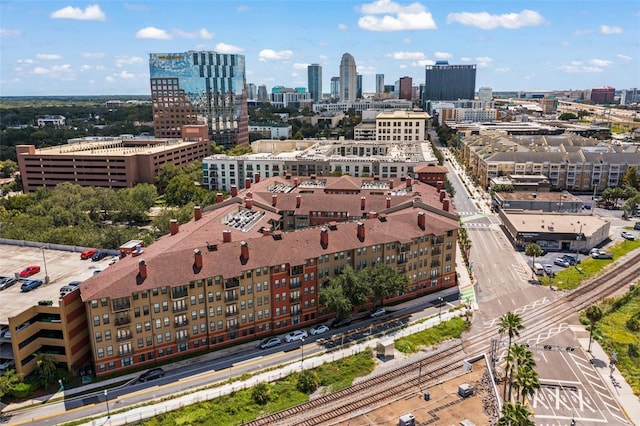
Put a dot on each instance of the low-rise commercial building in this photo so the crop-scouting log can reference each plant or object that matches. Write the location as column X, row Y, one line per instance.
column 538, row 201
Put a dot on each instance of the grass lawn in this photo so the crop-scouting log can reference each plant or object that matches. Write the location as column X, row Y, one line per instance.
column 447, row 330
column 572, row 277
column 616, row 336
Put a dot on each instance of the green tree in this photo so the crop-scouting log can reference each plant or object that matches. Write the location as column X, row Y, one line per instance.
column 8, row 381
column 517, row 356
column 333, row 298
column 355, row 289
column 182, row 190
column 566, row 116
column 239, row 150
column 308, row 381
column 594, row 314
column 515, row 414
column 166, row 172
column 45, row 369
column 383, row 282
column 533, row 250
column 631, row 178
column 261, row 393
column 511, row 324
column 526, row 382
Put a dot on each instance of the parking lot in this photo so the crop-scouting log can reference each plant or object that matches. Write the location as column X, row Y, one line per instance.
column 62, row 267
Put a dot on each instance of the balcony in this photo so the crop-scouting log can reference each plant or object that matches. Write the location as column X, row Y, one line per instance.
column 124, row 337
column 295, row 284
column 436, row 252
column 181, row 324
column 124, row 354
column 233, row 327
column 182, row 338
column 122, row 321
column 294, row 299
column 177, row 309
column 231, row 298
column 231, row 314
column 121, row 306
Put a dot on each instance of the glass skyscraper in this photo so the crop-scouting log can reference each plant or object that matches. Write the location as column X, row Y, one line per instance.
column 444, row 82
column 314, row 78
column 200, row 88
column 347, row 78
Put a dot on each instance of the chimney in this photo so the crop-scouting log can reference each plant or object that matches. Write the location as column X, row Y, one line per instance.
column 219, row 197
column 439, row 185
column 274, row 200
column 197, row 258
column 409, row 182
column 421, row 220
column 256, row 177
column 298, row 201
column 249, row 194
column 443, row 194
column 247, row 183
column 244, row 250
column 391, row 184
column 197, row 213
column 266, row 232
column 445, row 204
column 142, row 269
column 173, row 226
column 361, row 231
column 373, row 215
column 324, row 237
column 362, row 203
column 388, row 202
column 226, row 236
column 234, row 190
column 295, row 181
column 248, row 202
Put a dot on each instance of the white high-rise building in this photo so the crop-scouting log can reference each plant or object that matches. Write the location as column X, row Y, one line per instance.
column 348, row 79
column 379, row 84
column 485, row 94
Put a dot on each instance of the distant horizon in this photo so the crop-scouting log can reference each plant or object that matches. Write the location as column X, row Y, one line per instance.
column 52, row 48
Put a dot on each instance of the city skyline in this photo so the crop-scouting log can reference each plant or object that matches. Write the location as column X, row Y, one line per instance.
column 72, row 48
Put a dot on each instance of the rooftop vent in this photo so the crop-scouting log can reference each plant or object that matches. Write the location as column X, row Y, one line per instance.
column 277, row 235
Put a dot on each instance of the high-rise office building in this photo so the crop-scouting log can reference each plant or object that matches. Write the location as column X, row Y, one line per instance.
column 358, row 86
column 335, row 87
column 252, row 92
column 485, row 94
column 444, row 82
column 263, row 95
column 314, row 78
column 348, row 78
column 379, row 84
column 405, row 88
column 200, row 88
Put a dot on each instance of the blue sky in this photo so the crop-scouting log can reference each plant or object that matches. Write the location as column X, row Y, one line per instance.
column 101, row 48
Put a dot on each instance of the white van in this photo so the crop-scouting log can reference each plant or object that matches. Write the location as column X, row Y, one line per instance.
column 538, row 269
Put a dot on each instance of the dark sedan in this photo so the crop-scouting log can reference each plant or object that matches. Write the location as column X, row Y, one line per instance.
column 6, row 282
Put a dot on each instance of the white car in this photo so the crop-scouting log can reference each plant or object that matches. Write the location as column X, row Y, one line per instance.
column 548, row 268
column 378, row 313
column 295, row 335
column 628, row 236
column 318, row 330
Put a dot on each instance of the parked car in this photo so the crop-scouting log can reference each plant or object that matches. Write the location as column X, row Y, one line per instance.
column 548, row 269
column 29, row 270
column 7, row 364
column 377, row 313
column 320, row 329
column 6, row 282
column 7, row 334
column 628, row 235
column 113, row 260
column 29, row 285
column 585, row 250
column 154, row 373
column 636, row 227
column 88, row 254
column 602, row 255
column 571, row 258
column 270, row 342
column 99, row 256
column 64, row 290
column 561, row 262
column 295, row 336
column 337, row 323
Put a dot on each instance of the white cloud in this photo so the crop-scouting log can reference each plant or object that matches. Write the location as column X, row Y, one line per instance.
column 395, row 17
column 127, row 60
column 228, row 48
column 606, row 29
column 323, row 57
column 9, row 33
column 100, row 68
column 582, row 32
column 406, row 40
column 40, row 71
column 565, row 43
column 295, row 74
column 110, row 79
column 49, row 56
column 483, row 61
column 243, row 8
column 406, row 55
column 466, row 59
column 153, row 33
column 486, row 21
column 125, row 75
column 85, row 67
column 202, row 33
column 342, row 27
column 442, row 55
column 624, row 57
column 91, row 13
column 26, row 61
column 423, row 63
column 600, row 62
column 578, row 67
column 299, row 66
column 266, row 54
column 92, row 55
column 502, row 69
column 139, row 7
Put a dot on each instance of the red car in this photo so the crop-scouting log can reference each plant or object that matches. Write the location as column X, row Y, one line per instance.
column 88, row 254
column 29, row 270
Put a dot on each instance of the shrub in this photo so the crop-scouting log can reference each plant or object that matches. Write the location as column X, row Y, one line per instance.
column 633, row 324
column 633, row 351
column 21, row 390
column 308, row 381
column 261, row 393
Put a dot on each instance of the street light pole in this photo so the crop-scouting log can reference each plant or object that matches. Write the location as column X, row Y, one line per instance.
column 106, row 398
column 440, row 312
column 44, row 260
column 301, row 352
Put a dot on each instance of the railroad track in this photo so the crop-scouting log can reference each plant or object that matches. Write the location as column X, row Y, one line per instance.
column 395, row 383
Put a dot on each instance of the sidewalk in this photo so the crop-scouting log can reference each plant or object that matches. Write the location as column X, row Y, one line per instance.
column 465, row 283
column 619, row 388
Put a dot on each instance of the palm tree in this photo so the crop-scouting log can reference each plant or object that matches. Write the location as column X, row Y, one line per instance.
column 533, row 250
column 515, row 414
column 518, row 356
column 594, row 314
column 526, row 382
column 511, row 324
column 45, row 369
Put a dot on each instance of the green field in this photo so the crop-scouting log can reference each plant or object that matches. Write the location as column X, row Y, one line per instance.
column 451, row 329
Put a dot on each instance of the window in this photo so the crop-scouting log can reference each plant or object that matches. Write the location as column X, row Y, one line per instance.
column 107, row 335
column 105, row 318
column 100, row 353
column 109, row 350
column 98, row 336
column 96, row 320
